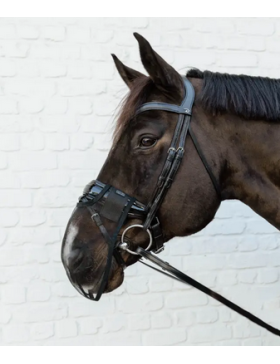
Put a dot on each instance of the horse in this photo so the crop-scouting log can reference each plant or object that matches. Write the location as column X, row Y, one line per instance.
column 230, row 150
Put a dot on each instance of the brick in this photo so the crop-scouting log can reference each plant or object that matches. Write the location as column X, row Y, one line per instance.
column 180, row 247
column 57, row 142
column 51, row 69
column 145, row 303
column 161, row 320
column 248, row 276
column 60, row 123
column 38, row 292
column 56, row 106
column 137, row 285
column 13, row 294
column 247, row 260
column 42, row 331
column 55, row 198
column 34, row 161
column 267, row 276
column 254, row 27
column 260, row 227
column 55, row 52
column 33, row 141
column 186, row 299
column 16, row 50
column 223, row 227
column 224, row 26
column 25, row 31
column 114, row 323
column 227, row 278
column 16, row 199
column 31, row 89
column 243, row 331
column 8, row 218
column 78, row 35
column 34, row 217
column 102, row 37
column 59, row 217
column 103, row 71
column 27, row 68
column 96, row 124
column 211, row 262
column 160, row 284
column 3, row 160
column 84, row 88
column 81, row 308
column 82, row 141
column 163, row 337
column 54, row 33
column 9, row 180
column 90, row 326
column 115, row 339
column 8, row 106
column 20, row 236
column 5, row 315
column 248, row 243
column 9, row 142
column 200, row 334
column 93, row 53
column 41, row 312
column 257, row 44
column 64, row 289
column 31, row 106
column 11, row 257
column 48, row 179
column 238, row 60
column 79, row 70
column 7, row 68
column 235, row 43
column 7, row 31
column 36, row 255
column 3, row 237
column 172, row 40
column 207, row 316
column 81, row 106
column 82, row 160
column 15, row 333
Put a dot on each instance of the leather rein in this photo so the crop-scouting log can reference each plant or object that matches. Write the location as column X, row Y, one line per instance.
column 108, row 202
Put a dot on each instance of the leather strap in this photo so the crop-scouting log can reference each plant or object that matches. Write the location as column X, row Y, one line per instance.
column 204, row 161
column 182, row 277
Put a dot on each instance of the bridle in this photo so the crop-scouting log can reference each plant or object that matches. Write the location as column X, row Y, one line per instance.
column 110, row 203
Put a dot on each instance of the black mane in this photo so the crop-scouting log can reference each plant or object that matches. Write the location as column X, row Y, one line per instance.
column 246, row 96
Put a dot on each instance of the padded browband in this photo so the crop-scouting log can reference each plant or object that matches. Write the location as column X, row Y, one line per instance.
column 184, row 108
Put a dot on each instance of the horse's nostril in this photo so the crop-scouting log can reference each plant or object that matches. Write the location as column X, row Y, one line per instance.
column 75, row 258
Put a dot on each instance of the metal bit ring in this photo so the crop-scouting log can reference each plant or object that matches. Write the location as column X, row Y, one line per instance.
column 124, row 245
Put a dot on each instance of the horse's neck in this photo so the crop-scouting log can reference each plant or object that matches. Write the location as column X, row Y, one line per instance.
column 251, row 170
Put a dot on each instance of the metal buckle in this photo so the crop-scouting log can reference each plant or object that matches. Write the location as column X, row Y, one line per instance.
column 159, row 250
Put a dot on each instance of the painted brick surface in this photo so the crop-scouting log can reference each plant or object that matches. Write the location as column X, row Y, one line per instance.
column 58, row 92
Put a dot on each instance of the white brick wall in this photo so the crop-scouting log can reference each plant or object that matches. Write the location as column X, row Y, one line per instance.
column 58, row 91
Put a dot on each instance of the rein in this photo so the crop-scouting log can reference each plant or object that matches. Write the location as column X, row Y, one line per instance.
column 117, row 206
column 176, row 274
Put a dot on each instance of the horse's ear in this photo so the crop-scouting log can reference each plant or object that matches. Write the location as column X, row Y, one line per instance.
column 164, row 76
column 126, row 73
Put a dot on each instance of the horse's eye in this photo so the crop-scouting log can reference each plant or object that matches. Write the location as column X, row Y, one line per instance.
column 147, row 142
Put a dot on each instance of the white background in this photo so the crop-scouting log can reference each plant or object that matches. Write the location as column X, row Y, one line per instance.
column 58, row 92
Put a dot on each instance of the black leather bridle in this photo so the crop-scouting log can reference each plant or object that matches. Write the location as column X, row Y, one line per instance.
column 112, row 204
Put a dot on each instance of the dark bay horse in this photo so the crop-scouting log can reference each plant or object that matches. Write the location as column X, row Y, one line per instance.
column 236, row 122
